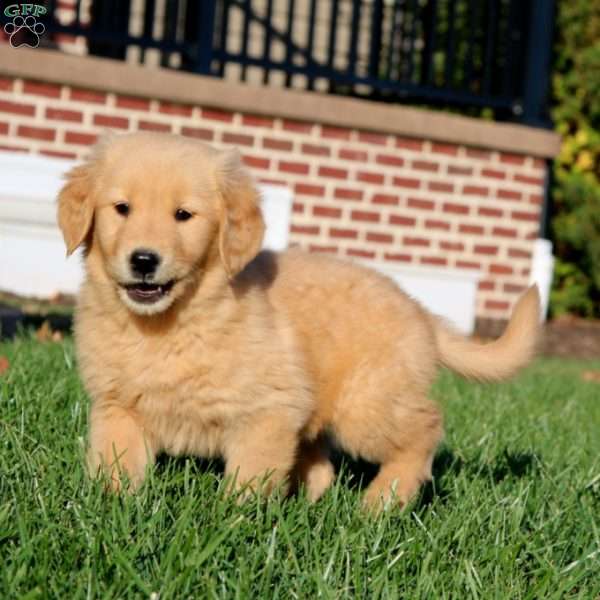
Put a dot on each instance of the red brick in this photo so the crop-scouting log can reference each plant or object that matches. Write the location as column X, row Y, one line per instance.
column 448, row 149
column 389, row 160
column 533, row 234
column 359, row 155
column 272, row 180
column 401, row 220
column 296, row 126
column 420, row 203
column 536, row 199
column 255, row 162
column 322, row 249
column 467, row 264
column 372, row 138
column 154, row 126
column 9, row 148
column 169, row 108
column 539, row 163
column 387, row 199
column 424, row 165
column 494, row 174
column 435, row 224
column 365, row 215
column 408, row 143
column 305, row 229
column 406, row 182
column 257, row 121
column 524, row 216
column 60, row 114
column 326, row 211
column 415, row 241
column 455, row 170
column 471, row 229
column 440, row 186
column 518, row 253
column 17, row 108
column 359, row 253
column 110, row 121
column 381, row 238
column 337, row 232
column 475, row 190
column 293, row 167
column 217, row 115
column 504, row 232
column 433, row 260
column 479, row 154
column 133, row 103
column 531, row 180
column 497, row 269
column 83, row 139
column 309, row 190
column 367, row 177
column 452, row 246
column 58, row 154
column 37, row 88
column 35, row 133
column 512, row 159
column 335, row 133
column 511, row 288
column 298, row 208
column 458, row 209
column 398, row 257
column 238, row 139
column 316, row 150
column 275, row 144
column 347, row 194
column 486, row 286
column 6, row 84
column 489, row 212
column 484, row 249
column 3, row 128
column 333, row 172
column 87, row 96
column 509, row 195
column 200, row 133
column 496, row 305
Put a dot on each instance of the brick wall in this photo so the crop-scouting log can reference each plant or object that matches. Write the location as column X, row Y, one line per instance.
column 357, row 193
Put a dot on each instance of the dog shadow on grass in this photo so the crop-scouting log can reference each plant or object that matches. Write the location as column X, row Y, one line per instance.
column 356, row 475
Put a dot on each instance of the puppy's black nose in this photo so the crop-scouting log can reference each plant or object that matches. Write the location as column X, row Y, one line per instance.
column 144, row 262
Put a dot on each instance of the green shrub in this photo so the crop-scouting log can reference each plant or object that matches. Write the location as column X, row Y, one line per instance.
column 576, row 193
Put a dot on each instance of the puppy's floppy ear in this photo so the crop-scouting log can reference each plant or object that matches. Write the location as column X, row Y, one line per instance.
column 75, row 210
column 241, row 225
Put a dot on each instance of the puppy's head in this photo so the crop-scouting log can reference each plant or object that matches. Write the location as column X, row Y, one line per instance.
column 154, row 211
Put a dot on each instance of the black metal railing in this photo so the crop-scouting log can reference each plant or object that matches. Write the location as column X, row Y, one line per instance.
column 468, row 54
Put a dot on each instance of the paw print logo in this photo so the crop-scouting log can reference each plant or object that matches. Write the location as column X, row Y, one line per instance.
column 24, row 31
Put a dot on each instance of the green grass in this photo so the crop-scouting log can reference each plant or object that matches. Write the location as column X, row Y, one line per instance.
column 514, row 511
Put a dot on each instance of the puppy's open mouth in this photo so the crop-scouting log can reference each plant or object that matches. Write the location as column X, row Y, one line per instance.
column 148, row 293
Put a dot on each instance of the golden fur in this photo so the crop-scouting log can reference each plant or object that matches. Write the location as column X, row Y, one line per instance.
column 255, row 357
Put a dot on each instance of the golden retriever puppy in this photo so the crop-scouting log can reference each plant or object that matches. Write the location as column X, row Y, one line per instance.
column 190, row 341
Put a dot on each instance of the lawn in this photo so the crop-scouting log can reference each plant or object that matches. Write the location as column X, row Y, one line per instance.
column 514, row 511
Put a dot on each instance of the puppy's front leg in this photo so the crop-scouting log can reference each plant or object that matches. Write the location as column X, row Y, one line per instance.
column 260, row 453
column 118, row 446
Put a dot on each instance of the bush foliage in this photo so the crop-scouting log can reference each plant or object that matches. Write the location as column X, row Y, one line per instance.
column 576, row 194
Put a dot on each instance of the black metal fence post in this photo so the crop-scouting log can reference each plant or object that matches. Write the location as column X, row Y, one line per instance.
column 537, row 71
column 206, row 28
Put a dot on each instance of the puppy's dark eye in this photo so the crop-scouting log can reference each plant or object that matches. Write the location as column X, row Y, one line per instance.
column 122, row 208
column 182, row 215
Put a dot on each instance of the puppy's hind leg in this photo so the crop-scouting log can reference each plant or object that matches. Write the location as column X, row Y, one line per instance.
column 313, row 468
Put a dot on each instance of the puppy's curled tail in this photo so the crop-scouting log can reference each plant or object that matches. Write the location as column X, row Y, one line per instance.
column 499, row 359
